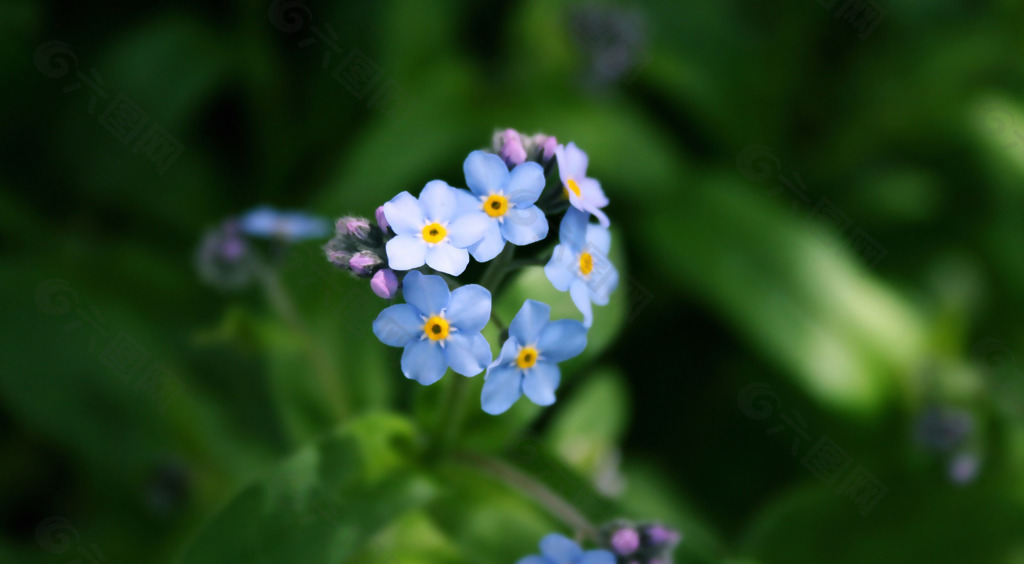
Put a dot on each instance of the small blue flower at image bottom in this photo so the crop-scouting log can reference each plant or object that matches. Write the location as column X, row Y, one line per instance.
column 267, row 223
column 431, row 230
column 528, row 363
column 557, row 549
column 437, row 328
column 505, row 201
column 580, row 265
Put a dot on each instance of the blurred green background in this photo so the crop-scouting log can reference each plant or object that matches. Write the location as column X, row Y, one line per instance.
column 817, row 213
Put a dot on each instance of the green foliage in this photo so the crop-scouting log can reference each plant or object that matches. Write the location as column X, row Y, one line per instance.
column 279, row 435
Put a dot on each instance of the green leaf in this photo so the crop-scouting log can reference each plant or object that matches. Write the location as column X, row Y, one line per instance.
column 323, row 503
column 586, row 432
column 976, row 524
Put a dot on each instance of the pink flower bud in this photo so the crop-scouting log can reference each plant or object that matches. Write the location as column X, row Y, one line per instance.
column 384, row 283
column 382, row 221
column 512, row 150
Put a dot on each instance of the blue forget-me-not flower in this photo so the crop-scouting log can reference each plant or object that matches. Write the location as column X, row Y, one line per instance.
column 580, row 263
column 437, row 328
column 505, row 201
column 268, row 223
column 558, row 549
column 584, row 193
column 431, row 230
column 529, row 359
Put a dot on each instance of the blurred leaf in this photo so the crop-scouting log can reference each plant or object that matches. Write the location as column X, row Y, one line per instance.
column 916, row 521
column 585, row 432
column 848, row 339
column 323, row 503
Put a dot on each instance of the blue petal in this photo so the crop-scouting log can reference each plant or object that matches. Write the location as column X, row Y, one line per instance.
column 527, row 324
column 591, row 191
column 572, row 162
column 534, row 559
column 398, row 324
column 468, row 353
column 525, row 183
column 540, row 383
column 599, row 238
column 560, row 548
column 524, row 226
column 428, row 293
column 602, row 283
column 485, row 173
column 580, row 295
column 424, row 361
column 597, row 557
column 602, row 218
column 468, row 202
column 490, row 245
column 561, row 340
column 561, row 269
column 508, row 353
column 573, row 230
column 438, row 201
column 404, row 214
column 469, row 308
column 260, row 222
column 445, row 258
column 298, row 226
column 502, row 387
column 406, row 252
column 468, row 229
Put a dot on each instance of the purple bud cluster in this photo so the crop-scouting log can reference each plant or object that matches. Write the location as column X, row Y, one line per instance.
column 645, row 543
column 358, row 246
column 515, row 148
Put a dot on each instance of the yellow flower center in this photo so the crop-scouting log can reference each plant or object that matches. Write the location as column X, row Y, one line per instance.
column 527, row 357
column 586, row 263
column 434, row 233
column 436, row 328
column 571, row 185
column 496, row 205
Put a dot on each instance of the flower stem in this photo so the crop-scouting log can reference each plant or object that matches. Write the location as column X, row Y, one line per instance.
column 541, row 493
column 321, row 362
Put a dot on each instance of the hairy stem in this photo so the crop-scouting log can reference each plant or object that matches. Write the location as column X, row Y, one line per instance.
column 322, row 364
column 539, row 492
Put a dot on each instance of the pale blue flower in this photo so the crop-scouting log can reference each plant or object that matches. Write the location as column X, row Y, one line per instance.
column 529, row 359
column 437, row 328
column 558, row 549
column 431, row 230
column 504, row 201
column 584, row 193
column 580, row 265
column 269, row 223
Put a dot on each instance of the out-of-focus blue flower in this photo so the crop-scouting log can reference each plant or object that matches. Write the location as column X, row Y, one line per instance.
column 268, row 223
column 963, row 468
column 224, row 258
column 529, row 359
column 437, row 328
column 432, row 230
column 558, row 549
column 943, row 429
column 584, row 193
column 580, row 265
column 504, row 202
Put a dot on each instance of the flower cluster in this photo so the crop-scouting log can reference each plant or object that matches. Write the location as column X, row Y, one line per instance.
column 557, row 549
column 649, row 543
column 422, row 244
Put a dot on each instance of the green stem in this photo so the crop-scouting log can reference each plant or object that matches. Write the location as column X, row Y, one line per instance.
column 321, row 362
column 541, row 493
